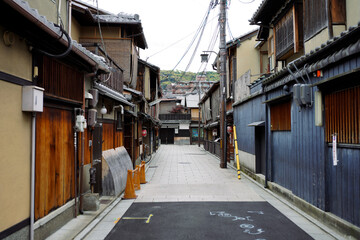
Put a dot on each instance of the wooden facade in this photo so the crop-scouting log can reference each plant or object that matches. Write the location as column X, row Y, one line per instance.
column 55, row 179
column 55, row 151
column 300, row 157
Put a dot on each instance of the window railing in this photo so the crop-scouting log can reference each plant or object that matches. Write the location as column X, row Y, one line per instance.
column 175, row 116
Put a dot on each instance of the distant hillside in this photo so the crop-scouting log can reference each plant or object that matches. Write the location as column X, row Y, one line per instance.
column 167, row 77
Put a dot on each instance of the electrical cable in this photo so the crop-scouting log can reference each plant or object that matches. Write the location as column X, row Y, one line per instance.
column 67, row 51
column 247, row 2
column 98, row 22
column 200, row 30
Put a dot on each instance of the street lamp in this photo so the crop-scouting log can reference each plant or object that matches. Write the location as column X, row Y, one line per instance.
column 205, row 56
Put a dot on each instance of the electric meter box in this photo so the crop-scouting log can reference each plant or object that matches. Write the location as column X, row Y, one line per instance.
column 296, row 94
column 305, row 94
column 92, row 117
column 32, row 99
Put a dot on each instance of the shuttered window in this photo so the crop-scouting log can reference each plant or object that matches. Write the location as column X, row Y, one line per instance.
column 280, row 116
column 342, row 116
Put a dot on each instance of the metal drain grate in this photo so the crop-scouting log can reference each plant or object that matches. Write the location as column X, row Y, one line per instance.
column 184, row 162
column 153, row 166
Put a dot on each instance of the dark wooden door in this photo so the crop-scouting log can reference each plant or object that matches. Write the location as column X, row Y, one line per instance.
column 260, row 149
column 97, row 156
column 128, row 135
column 167, row 135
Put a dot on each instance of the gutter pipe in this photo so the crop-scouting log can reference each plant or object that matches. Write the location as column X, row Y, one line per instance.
column 32, row 181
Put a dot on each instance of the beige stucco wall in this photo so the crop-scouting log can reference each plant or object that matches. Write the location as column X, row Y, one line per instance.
column 48, row 8
column 18, row 58
column 352, row 12
column 15, row 148
column 337, row 29
column 317, row 40
column 75, row 30
column 248, row 57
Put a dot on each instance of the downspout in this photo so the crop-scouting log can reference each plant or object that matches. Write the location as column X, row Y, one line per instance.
column 330, row 26
column 266, row 144
column 59, row 17
column 70, row 16
column 32, row 181
column 81, row 172
column 75, row 169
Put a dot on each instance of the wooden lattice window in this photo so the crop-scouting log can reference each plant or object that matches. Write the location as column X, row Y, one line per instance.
column 280, row 116
column 289, row 33
column 342, row 116
column 284, row 34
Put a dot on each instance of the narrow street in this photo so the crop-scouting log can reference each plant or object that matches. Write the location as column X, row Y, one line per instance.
column 188, row 196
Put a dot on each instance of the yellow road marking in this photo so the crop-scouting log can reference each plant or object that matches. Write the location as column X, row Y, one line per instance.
column 136, row 218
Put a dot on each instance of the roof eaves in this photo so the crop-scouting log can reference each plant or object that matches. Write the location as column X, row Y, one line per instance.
column 351, row 49
column 33, row 15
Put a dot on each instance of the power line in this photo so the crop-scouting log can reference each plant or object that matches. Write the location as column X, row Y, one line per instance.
column 199, row 33
column 246, row 2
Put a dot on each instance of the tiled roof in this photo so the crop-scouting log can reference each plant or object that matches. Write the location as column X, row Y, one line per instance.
column 330, row 52
column 42, row 22
column 119, row 18
column 242, row 38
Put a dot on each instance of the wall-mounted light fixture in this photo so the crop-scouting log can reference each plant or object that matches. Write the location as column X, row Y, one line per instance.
column 103, row 110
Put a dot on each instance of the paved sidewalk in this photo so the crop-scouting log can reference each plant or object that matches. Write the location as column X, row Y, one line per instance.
column 190, row 174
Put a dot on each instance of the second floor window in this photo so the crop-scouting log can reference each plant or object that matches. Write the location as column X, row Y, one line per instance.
column 289, row 33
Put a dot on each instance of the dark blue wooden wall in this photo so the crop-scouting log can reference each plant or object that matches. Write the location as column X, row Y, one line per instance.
column 244, row 114
column 344, row 184
column 308, row 147
column 300, row 160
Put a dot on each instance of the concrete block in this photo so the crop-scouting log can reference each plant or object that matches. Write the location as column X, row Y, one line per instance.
column 91, row 202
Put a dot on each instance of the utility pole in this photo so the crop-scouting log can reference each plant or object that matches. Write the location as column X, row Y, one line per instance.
column 222, row 22
column 199, row 113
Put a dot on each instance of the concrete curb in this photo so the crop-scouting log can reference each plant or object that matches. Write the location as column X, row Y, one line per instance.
column 97, row 219
column 343, row 228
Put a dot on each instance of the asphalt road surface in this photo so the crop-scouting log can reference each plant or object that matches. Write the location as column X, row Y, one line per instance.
column 205, row 220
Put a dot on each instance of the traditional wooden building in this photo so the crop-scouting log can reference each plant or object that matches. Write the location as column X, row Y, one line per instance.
column 41, row 147
column 305, row 113
column 210, row 107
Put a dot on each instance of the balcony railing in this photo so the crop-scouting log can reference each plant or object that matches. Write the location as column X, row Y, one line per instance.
column 174, row 116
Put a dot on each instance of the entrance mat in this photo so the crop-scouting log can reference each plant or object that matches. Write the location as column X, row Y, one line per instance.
column 205, row 220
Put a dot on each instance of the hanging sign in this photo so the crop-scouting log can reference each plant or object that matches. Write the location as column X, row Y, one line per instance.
column 334, row 150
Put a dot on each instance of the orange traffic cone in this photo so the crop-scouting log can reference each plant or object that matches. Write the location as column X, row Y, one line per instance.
column 129, row 189
column 137, row 178
column 142, row 173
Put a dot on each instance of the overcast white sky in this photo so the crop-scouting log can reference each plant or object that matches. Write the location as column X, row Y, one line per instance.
column 166, row 22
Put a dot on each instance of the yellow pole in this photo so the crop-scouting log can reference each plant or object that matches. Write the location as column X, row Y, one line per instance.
column 237, row 153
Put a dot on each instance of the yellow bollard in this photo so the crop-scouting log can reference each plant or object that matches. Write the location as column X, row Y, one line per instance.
column 237, row 153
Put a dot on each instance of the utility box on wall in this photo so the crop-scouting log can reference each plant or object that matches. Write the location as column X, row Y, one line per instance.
column 32, row 99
